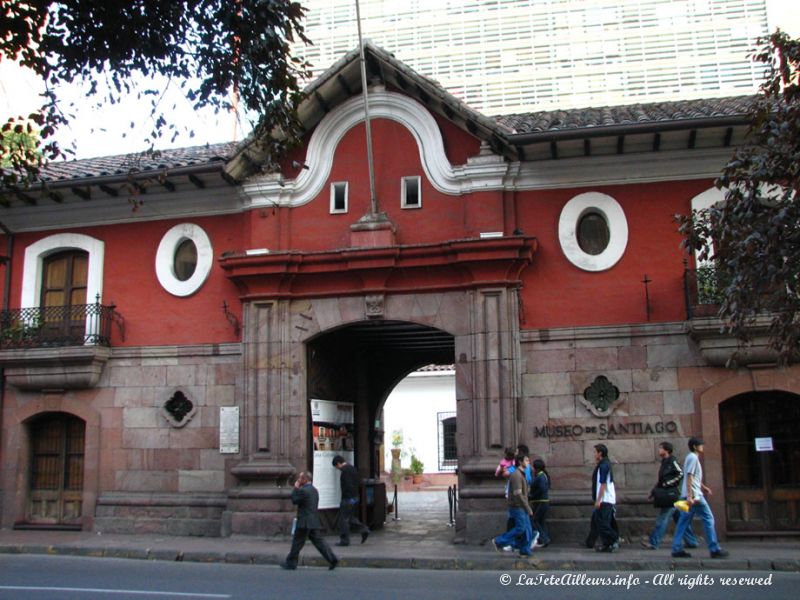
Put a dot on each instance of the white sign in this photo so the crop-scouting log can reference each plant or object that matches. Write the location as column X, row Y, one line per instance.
column 332, row 424
column 764, row 444
column 229, row 429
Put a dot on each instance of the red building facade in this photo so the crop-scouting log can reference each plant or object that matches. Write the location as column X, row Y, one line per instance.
column 150, row 303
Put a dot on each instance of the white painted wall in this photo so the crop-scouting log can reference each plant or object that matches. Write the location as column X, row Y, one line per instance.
column 412, row 407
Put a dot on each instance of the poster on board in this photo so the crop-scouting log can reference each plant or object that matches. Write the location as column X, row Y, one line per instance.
column 332, row 428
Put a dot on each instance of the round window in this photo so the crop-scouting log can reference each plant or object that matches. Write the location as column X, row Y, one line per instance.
column 593, row 234
column 593, row 231
column 185, row 260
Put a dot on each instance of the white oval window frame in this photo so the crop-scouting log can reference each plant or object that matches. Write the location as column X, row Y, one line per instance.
column 571, row 215
column 165, row 259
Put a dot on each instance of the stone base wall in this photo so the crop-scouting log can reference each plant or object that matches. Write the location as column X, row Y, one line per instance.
column 642, row 363
column 144, row 469
column 560, row 425
column 182, row 514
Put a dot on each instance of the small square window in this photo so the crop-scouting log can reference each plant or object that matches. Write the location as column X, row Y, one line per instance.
column 339, row 197
column 411, row 192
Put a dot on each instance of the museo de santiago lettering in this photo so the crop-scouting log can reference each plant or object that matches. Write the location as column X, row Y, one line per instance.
column 606, row 429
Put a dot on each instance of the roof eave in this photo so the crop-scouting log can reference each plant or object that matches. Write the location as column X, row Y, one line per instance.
column 627, row 129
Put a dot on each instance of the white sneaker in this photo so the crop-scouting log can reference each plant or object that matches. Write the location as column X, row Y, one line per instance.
column 534, row 540
column 507, row 548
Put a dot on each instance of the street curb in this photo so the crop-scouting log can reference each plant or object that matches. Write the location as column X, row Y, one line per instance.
column 435, row 564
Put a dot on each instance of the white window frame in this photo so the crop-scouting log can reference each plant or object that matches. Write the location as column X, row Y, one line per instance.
column 334, row 210
column 403, row 181
column 611, row 211
column 165, row 259
column 36, row 253
column 703, row 201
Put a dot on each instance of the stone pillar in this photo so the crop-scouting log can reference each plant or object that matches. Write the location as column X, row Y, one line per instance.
column 488, row 395
column 274, row 423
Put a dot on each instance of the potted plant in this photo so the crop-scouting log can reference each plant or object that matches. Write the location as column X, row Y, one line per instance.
column 397, row 442
column 417, row 468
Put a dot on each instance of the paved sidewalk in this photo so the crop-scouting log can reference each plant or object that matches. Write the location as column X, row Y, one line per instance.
column 422, row 539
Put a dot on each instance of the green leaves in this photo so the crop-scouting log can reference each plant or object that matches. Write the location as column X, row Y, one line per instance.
column 754, row 236
column 212, row 48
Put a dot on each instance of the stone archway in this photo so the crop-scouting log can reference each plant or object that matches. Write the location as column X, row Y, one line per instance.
column 466, row 288
column 17, row 449
column 275, row 436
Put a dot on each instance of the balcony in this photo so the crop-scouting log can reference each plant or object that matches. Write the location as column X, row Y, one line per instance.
column 703, row 288
column 56, row 347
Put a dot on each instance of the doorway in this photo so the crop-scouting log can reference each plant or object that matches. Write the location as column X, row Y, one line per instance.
column 762, row 480
column 357, row 366
column 55, row 495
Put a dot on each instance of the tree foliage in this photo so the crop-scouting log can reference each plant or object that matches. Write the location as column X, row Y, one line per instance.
column 210, row 49
column 753, row 237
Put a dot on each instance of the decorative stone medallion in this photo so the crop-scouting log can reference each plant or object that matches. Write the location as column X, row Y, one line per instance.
column 602, row 397
column 374, row 306
column 178, row 410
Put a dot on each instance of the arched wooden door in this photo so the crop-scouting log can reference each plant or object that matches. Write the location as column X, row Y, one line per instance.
column 56, row 479
column 762, row 485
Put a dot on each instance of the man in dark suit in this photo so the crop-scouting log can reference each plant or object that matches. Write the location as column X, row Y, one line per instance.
column 349, row 504
column 308, row 524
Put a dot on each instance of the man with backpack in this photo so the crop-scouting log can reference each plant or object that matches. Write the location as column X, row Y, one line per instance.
column 666, row 491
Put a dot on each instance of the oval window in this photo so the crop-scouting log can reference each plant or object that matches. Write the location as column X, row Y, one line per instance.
column 593, row 231
column 593, row 234
column 185, row 261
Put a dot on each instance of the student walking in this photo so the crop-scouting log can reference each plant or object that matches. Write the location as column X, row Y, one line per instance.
column 605, row 498
column 521, row 535
column 540, row 502
column 666, row 491
column 693, row 490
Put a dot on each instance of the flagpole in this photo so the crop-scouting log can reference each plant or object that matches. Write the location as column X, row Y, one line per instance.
column 373, row 200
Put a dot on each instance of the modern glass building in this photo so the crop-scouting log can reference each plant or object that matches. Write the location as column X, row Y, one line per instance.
column 501, row 56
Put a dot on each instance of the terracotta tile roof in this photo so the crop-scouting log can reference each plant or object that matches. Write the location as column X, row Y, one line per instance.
column 435, row 368
column 126, row 164
column 589, row 119
column 610, row 116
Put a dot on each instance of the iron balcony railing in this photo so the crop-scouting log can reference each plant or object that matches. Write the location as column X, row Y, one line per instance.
column 704, row 288
column 57, row 326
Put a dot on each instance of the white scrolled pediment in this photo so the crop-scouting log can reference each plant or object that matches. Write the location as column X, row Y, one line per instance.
column 480, row 173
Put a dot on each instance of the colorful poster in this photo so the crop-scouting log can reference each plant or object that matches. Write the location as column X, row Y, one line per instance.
column 332, row 428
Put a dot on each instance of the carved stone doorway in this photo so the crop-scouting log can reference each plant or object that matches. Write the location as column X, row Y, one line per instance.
column 349, row 306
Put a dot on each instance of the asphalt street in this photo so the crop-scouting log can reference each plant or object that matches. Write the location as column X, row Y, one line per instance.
column 34, row 577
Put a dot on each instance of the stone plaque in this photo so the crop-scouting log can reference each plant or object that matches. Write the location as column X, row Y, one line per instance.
column 229, row 430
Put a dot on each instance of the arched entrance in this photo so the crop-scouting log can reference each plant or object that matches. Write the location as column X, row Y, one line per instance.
column 358, row 365
column 760, row 434
column 55, row 492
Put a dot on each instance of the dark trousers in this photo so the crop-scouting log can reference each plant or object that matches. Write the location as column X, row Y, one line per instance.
column 539, row 520
column 299, row 540
column 348, row 519
column 603, row 525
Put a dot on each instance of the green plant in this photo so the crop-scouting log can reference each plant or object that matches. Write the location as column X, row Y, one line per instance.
column 417, row 466
column 710, row 285
column 20, row 333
